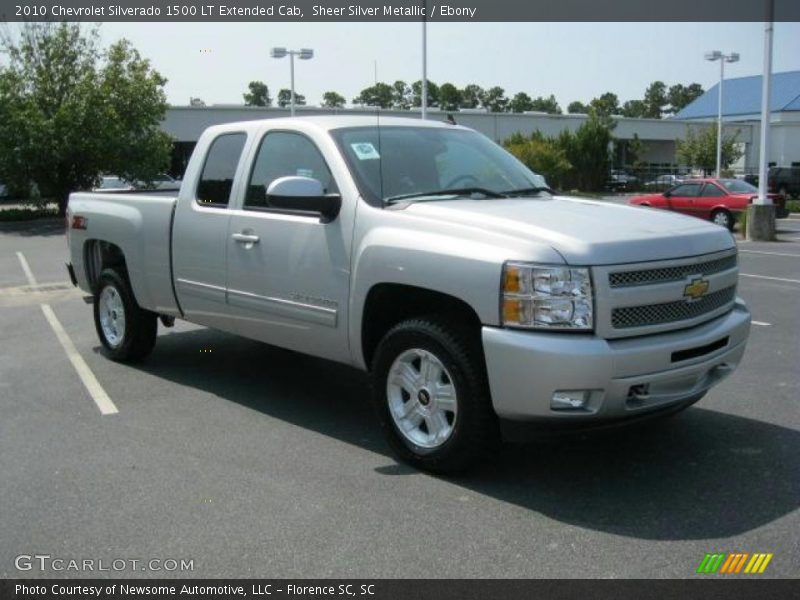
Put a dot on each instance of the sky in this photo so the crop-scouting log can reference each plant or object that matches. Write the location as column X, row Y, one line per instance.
column 573, row 61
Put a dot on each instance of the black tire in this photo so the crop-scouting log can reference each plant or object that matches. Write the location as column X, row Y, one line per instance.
column 138, row 334
column 724, row 218
column 475, row 430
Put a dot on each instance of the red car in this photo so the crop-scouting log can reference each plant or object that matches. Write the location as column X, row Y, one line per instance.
column 718, row 200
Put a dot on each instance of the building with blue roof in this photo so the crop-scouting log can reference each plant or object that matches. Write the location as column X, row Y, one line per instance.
column 741, row 103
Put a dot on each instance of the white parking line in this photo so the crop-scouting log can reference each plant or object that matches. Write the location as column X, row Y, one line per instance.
column 26, row 269
column 771, row 278
column 96, row 391
column 770, row 253
column 762, row 323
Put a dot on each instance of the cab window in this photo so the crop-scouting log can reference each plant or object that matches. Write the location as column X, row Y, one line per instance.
column 216, row 180
column 283, row 154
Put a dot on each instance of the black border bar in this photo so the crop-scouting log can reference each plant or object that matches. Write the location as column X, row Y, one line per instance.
column 398, row 11
column 709, row 587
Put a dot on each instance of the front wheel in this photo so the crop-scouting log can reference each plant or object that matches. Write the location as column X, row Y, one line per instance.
column 126, row 331
column 723, row 218
column 431, row 395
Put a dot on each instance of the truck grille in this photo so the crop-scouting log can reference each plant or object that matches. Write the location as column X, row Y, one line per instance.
column 667, row 274
column 671, row 312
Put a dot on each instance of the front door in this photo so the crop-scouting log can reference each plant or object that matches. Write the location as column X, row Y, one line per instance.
column 682, row 198
column 288, row 273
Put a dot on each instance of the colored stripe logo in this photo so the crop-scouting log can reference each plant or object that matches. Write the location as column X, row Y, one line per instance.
column 734, row 563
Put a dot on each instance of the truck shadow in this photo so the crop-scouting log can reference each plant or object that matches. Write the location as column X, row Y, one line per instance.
column 702, row 474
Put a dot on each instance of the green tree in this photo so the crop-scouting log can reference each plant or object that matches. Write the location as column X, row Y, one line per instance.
column 401, row 95
column 69, row 111
column 285, row 98
column 380, row 94
column 472, row 96
column 449, row 97
column 541, row 155
column 655, row 99
column 699, row 149
column 521, row 102
column 333, row 100
column 494, row 99
column 605, row 105
column 433, row 93
column 588, row 151
column 634, row 109
column 577, row 108
column 548, row 105
column 258, row 94
column 680, row 96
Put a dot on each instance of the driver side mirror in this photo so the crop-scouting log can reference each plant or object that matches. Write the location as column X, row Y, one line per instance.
column 304, row 195
column 667, row 194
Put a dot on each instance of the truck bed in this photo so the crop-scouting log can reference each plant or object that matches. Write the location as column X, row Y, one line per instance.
column 140, row 223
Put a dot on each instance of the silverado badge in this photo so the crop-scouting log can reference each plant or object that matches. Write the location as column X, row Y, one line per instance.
column 696, row 289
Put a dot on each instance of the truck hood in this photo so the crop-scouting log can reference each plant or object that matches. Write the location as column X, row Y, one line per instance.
column 584, row 232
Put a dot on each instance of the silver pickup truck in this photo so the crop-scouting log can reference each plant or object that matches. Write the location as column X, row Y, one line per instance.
column 482, row 304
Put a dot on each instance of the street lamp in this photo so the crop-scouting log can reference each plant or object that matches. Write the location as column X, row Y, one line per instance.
column 302, row 54
column 722, row 58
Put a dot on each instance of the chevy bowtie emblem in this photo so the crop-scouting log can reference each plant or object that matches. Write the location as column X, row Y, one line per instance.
column 696, row 289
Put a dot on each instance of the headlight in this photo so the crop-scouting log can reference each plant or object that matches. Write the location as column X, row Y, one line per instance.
column 546, row 297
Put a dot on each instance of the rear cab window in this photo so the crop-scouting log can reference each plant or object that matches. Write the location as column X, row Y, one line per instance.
column 216, row 180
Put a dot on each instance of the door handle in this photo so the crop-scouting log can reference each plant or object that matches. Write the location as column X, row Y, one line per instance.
column 245, row 238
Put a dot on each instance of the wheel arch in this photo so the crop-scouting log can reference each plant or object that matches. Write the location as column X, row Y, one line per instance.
column 388, row 304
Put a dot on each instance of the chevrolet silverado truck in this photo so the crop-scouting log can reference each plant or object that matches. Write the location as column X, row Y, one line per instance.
column 482, row 304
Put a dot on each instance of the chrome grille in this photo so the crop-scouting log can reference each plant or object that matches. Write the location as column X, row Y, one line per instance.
column 670, row 312
column 667, row 274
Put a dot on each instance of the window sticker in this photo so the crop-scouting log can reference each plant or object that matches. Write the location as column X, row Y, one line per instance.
column 365, row 151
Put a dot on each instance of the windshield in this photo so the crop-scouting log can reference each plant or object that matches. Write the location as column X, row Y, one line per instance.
column 403, row 162
column 737, row 186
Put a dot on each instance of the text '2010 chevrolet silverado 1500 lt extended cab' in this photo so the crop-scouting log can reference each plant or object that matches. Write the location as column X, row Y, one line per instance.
column 480, row 302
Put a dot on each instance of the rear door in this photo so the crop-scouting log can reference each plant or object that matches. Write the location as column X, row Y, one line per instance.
column 711, row 196
column 289, row 273
column 200, row 232
column 682, row 198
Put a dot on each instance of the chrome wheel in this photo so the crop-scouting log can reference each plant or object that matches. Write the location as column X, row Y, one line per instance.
column 422, row 398
column 722, row 218
column 112, row 316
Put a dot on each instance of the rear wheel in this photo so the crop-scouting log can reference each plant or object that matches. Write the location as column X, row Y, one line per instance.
column 126, row 331
column 723, row 218
column 431, row 395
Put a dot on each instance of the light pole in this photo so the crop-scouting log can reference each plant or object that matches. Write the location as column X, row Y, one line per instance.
column 302, row 54
column 722, row 58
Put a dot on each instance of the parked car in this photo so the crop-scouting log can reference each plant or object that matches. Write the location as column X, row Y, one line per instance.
column 620, row 181
column 785, row 181
column 427, row 255
column 717, row 200
column 112, row 183
column 663, row 182
column 162, row 182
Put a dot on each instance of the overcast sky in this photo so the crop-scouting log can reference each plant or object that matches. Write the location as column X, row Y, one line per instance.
column 574, row 61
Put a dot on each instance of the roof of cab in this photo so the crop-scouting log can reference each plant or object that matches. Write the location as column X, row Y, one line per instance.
column 331, row 122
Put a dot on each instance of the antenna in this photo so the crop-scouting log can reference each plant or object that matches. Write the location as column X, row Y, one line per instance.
column 380, row 151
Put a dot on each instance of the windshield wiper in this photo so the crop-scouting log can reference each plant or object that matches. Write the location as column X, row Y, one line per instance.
column 527, row 191
column 468, row 191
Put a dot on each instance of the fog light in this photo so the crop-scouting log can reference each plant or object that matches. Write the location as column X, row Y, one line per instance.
column 569, row 399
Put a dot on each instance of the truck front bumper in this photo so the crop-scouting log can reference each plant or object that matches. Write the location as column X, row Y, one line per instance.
column 622, row 378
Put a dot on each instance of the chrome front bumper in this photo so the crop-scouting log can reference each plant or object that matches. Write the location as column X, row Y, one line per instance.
column 626, row 377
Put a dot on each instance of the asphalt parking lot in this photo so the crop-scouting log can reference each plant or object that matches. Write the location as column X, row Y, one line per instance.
column 254, row 461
